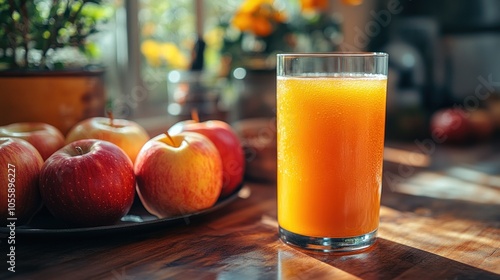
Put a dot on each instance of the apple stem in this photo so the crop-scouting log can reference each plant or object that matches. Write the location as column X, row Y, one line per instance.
column 170, row 138
column 110, row 116
column 79, row 150
column 194, row 115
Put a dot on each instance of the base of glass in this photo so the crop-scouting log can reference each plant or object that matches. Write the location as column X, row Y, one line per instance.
column 328, row 244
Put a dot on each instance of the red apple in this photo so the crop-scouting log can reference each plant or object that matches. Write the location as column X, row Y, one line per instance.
column 46, row 138
column 451, row 125
column 88, row 183
column 21, row 164
column 178, row 175
column 126, row 134
column 228, row 144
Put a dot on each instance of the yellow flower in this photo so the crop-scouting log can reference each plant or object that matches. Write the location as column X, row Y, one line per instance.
column 158, row 53
column 312, row 5
column 252, row 6
column 151, row 50
column 257, row 17
column 352, row 2
column 173, row 56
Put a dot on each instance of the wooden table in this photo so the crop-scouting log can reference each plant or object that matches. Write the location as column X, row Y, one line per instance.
column 440, row 219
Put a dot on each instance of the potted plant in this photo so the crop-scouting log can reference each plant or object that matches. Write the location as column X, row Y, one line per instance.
column 47, row 72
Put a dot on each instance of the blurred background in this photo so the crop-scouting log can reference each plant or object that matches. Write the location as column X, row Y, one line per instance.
column 163, row 59
column 442, row 55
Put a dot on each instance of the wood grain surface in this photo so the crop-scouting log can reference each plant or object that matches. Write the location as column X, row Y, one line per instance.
column 435, row 224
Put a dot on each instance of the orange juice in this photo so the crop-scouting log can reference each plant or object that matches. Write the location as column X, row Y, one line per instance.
column 330, row 146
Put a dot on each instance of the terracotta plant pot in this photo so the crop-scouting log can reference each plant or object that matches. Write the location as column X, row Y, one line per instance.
column 59, row 98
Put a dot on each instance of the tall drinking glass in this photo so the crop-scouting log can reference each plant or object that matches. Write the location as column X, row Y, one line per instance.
column 331, row 120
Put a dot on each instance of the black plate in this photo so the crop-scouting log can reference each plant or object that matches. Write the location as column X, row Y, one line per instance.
column 44, row 224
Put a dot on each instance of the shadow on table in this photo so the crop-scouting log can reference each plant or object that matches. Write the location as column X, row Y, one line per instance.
column 387, row 260
column 471, row 193
column 435, row 207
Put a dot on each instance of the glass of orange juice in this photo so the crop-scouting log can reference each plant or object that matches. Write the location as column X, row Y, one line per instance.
column 331, row 122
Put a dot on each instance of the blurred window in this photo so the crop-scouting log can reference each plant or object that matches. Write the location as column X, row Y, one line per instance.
column 169, row 29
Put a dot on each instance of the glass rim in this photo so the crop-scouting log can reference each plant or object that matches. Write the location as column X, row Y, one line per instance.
column 335, row 54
